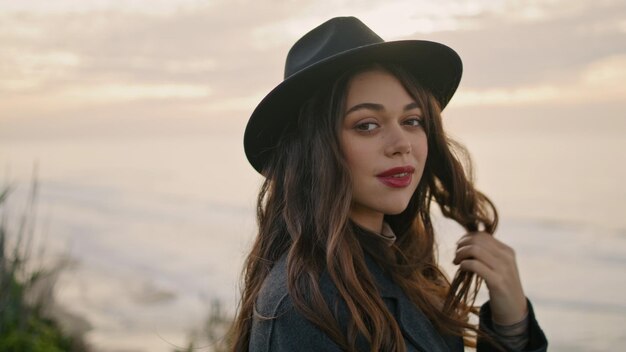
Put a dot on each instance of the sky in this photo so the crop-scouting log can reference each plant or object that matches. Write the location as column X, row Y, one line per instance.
column 75, row 69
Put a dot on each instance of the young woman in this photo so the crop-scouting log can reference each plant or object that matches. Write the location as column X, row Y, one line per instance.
column 353, row 150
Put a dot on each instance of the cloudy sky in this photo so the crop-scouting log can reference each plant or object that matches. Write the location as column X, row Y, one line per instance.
column 102, row 67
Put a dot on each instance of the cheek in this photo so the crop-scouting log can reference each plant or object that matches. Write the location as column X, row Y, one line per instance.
column 420, row 148
column 357, row 156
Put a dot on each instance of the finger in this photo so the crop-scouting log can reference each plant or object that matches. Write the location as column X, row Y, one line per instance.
column 486, row 240
column 472, row 236
column 480, row 253
column 498, row 260
column 479, row 269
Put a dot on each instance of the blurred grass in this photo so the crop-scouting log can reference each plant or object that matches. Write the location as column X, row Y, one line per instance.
column 26, row 287
column 212, row 337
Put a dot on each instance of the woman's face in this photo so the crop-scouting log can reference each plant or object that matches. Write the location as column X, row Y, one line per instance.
column 385, row 145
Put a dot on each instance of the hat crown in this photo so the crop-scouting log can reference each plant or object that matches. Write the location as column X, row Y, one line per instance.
column 331, row 38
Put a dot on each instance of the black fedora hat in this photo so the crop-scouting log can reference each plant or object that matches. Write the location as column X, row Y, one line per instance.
column 324, row 53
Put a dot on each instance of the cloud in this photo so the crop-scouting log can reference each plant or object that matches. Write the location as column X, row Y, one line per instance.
column 196, row 45
column 115, row 92
column 81, row 7
column 66, row 56
column 28, row 71
column 609, row 71
column 507, row 49
column 389, row 19
column 234, row 42
column 600, row 82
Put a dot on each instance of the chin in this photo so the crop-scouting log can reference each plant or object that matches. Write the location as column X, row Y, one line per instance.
column 395, row 209
column 396, row 212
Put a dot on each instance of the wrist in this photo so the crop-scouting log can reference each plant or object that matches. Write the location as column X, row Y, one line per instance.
column 510, row 318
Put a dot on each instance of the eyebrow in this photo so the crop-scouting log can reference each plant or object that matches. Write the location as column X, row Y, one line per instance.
column 378, row 107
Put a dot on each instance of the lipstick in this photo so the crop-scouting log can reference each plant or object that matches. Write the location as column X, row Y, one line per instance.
column 397, row 177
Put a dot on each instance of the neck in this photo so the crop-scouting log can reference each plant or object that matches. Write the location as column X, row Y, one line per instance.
column 369, row 220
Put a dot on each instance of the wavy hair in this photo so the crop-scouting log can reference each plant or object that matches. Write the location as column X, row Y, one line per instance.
column 303, row 211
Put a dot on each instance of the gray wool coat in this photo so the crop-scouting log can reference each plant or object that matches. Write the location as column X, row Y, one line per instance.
column 290, row 331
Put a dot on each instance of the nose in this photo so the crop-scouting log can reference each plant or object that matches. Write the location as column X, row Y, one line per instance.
column 398, row 142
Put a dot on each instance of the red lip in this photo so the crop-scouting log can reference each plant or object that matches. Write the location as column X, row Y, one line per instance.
column 390, row 178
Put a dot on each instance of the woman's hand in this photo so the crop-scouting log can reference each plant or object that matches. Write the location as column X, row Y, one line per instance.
column 494, row 261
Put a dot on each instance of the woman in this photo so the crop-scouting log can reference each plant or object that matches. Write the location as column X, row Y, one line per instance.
column 353, row 151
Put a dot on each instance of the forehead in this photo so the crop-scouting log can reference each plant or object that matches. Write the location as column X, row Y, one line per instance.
column 376, row 86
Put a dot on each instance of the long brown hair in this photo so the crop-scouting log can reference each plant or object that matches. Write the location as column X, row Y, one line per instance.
column 303, row 210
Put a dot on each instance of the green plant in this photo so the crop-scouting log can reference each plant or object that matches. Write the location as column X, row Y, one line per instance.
column 26, row 290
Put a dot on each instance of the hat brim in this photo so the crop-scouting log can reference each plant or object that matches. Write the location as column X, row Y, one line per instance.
column 435, row 66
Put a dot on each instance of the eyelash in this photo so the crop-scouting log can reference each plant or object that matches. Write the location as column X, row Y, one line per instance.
column 419, row 120
column 360, row 129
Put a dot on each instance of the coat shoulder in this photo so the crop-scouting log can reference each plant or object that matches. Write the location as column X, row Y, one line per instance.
column 277, row 325
column 274, row 294
column 273, row 298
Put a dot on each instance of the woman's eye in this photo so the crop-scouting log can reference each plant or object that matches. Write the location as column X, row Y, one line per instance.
column 366, row 127
column 417, row 121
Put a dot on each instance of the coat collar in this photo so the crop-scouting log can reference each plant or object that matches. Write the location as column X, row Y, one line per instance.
column 416, row 327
